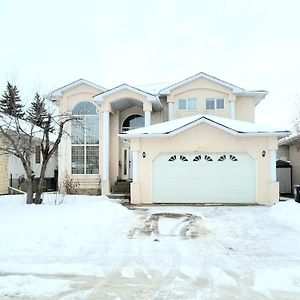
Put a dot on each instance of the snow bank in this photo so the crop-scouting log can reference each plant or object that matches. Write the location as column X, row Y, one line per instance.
column 31, row 286
column 67, row 238
column 287, row 212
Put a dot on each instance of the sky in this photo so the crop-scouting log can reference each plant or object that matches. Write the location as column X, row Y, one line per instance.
column 252, row 44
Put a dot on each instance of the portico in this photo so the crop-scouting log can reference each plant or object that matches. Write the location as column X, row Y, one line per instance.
column 119, row 106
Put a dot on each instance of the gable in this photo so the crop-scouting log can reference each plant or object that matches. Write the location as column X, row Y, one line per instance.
column 200, row 84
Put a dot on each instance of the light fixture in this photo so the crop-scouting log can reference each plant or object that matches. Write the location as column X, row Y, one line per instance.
column 144, row 154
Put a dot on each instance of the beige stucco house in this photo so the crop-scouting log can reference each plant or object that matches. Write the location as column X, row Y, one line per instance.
column 191, row 142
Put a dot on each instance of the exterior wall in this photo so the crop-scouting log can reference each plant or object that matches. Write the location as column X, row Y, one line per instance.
column 245, row 109
column 283, row 152
column 15, row 167
column 204, row 138
column 201, row 89
column 3, row 172
column 294, row 155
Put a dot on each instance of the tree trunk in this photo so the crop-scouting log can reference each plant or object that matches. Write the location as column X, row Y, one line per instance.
column 38, row 196
column 29, row 190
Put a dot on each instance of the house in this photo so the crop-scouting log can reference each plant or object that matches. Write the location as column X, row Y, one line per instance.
column 288, row 151
column 12, row 171
column 193, row 141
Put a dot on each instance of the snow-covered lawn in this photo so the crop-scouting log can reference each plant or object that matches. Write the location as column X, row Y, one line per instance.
column 91, row 246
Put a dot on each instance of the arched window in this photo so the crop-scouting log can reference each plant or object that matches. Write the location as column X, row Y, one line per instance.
column 85, row 139
column 133, row 122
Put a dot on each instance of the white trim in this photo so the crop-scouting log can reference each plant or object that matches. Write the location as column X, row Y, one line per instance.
column 187, row 104
column 234, row 88
column 231, row 109
column 125, row 86
column 273, row 165
column 206, row 121
column 147, row 117
column 58, row 92
column 105, row 143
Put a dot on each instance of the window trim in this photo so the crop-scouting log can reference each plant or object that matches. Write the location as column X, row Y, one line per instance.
column 85, row 145
column 187, row 104
column 215, row 103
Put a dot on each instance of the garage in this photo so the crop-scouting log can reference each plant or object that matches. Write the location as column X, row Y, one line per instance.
column 204, row 178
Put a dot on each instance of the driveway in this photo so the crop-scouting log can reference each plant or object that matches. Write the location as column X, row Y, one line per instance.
column 169, row 252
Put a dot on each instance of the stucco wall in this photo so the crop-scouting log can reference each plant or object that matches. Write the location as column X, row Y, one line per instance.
column 3, row 172
column 245, row 109
column 201, row 89
column 204, row 139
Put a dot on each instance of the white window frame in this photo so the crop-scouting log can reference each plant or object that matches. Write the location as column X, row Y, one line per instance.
column 215, row 103
column 187, row 104
column 85, row 144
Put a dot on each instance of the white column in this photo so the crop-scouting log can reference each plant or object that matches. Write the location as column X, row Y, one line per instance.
column 273, row 165
column 105, row 153
column 147, row 117
column 170, row 110
column 135, row 166
column 231, row 109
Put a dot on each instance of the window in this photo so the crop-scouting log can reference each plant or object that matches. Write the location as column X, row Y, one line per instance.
column 37, row 154
column 182, row 104
column 187, row 104
column 133, row 122
column 220, row 103
column 213, row 103
column 210, row 103
column 192, row 104
column 85, row 139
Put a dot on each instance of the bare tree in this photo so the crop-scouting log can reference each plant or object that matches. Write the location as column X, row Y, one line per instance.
column 19, row 139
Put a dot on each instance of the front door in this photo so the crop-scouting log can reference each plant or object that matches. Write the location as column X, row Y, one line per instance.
column 126, row 164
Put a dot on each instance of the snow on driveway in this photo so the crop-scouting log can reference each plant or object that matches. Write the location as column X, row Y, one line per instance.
column 91, row 246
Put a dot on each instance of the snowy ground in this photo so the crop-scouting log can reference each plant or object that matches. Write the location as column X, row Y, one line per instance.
column 94, row 248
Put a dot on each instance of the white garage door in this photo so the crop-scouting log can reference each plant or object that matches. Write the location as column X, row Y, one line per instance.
column 204, row 178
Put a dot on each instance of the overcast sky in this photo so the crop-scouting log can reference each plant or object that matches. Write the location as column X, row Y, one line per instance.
column 252, row 44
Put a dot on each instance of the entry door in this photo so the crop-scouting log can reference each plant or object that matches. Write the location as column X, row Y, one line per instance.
column 125, row 163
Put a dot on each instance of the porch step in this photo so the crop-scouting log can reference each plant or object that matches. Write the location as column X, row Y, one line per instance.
column 123, row 197
column 121, row 187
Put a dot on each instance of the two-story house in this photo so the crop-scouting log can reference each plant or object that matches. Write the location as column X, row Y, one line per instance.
column 191, row 142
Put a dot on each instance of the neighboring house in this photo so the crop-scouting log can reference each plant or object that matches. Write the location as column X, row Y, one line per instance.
column 12, row 172
column 3, row 172
column 16, row 172
column 209, row 150
column 289, row 150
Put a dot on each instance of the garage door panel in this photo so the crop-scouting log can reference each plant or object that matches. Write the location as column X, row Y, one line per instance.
column 207, row 180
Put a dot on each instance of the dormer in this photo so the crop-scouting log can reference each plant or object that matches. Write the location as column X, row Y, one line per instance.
column 205, row 94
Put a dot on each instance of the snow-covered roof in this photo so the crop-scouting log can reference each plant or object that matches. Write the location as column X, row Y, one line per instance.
column 58, row 92
column 289, row 140
column 168, row 89
column 235, row 127
column 154, row 88
column 258, row 94
column 150, row 97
